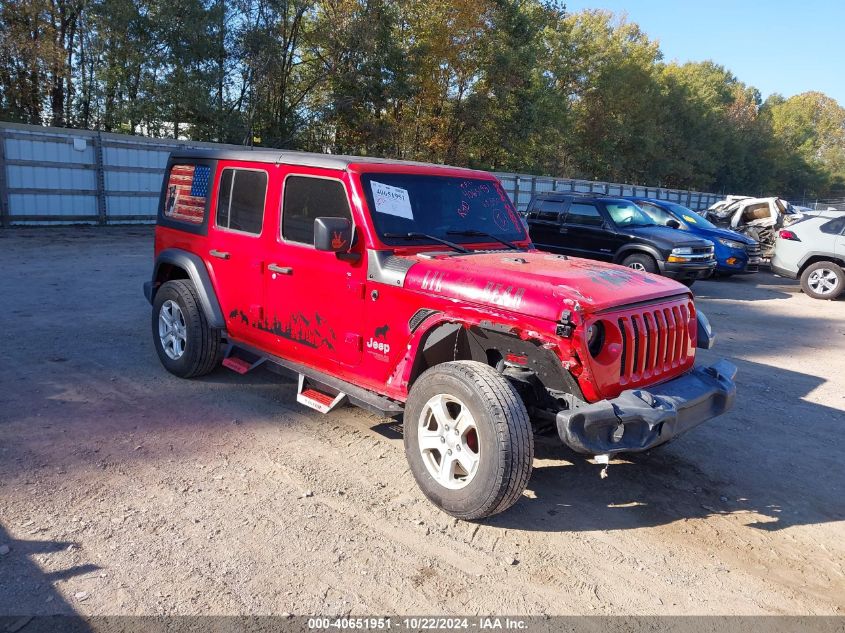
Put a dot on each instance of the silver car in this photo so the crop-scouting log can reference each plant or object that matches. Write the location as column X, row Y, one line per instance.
column 813, row 250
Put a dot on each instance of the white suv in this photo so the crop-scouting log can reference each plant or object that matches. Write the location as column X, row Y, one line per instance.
column 813, row 249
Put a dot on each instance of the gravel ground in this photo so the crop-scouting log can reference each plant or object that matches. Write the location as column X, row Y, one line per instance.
column 124, row 490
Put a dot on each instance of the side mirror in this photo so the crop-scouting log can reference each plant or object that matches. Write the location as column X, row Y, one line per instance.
column 332, row 234
column 673, row 224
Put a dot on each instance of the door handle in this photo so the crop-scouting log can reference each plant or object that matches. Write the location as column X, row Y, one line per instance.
column 219, row 254
column 282, row 270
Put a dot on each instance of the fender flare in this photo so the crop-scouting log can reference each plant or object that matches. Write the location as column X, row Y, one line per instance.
column 629, row 249
column 197, row 272
column 549, row 369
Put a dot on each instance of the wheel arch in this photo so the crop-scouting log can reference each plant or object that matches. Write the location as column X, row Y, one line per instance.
column 449, row 338
column 175, row 263
column 816, row 257
column 637, row 249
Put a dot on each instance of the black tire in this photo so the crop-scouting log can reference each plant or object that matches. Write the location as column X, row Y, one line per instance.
column 641, row 262
column 833, row 270
column 504, row 439
column 202, row 346
column 688, row 282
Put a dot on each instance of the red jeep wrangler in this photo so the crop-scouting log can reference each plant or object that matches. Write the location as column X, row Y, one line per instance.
column 412, row 289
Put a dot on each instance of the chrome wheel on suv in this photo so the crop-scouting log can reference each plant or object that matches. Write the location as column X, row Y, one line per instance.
column 171, row 330
column 448, row 441
column 186, row 345
column 468, row 439
column 823, row 280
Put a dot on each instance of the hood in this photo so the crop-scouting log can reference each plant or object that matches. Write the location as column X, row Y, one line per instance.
column 665, row 237
column 535, row 283
column 727, row 234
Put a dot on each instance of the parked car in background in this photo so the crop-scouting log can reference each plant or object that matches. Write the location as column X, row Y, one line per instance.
column 813, row 250
column 735, row 253
column 616, row 230
column 758, row 218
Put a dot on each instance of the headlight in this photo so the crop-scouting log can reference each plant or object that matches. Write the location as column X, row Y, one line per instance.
column 732, row 243
column 595, row 338
column 682, row 250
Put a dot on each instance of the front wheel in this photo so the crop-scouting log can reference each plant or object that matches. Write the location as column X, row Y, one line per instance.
column 468, row 439
column 641, row 262
column 823, row 280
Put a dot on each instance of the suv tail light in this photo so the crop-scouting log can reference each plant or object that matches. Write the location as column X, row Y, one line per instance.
column 788, row 235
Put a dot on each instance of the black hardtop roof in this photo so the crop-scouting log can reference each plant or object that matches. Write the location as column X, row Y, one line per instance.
column 581, row 195
column 305, row 159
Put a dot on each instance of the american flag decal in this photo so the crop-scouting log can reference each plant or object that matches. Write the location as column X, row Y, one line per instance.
column 187, row 190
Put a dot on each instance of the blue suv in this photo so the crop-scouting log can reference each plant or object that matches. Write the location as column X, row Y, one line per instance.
column 735, row 253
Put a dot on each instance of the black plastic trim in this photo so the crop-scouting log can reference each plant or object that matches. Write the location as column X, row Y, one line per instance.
column 198, row 274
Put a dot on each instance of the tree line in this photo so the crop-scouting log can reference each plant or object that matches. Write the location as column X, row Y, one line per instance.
column 508, row 85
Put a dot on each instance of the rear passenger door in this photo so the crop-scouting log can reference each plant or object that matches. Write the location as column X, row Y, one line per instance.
column 544, row 225
column 234, row 238
column 586, row 232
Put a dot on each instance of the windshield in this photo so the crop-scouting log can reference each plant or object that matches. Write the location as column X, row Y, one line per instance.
column 440, row 206
column 627, row 214
column 679, row 212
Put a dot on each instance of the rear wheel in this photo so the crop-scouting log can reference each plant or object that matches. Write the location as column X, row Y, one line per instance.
column 468, row 439
column 823, row 280
column 641, row 262
column 186, row 345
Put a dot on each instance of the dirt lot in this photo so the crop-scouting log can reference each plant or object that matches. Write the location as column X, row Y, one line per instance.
column 124, row 490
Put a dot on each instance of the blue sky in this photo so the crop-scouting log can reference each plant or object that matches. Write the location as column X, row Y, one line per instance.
column 774, row 45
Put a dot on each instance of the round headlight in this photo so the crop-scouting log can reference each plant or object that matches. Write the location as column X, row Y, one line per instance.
column 595, row 338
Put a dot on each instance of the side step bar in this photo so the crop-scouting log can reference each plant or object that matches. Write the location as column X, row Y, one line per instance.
column 316, row 397
column 319, row 389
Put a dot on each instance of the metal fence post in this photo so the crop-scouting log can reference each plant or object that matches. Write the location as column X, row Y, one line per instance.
column 4, row 191
column 516, row 192
column 102, row 218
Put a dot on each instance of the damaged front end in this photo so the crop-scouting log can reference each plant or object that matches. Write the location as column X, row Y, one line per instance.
column 639, row 419
column 647, row 415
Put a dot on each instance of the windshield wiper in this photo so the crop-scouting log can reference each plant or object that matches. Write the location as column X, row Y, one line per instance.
column 475, row 233
column 426, row 236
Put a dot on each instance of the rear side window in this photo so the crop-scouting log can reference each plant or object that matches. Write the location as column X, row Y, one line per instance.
column 309, row 198
column 834, row 227
column 549, row 210
column 187, row 193
column 240, row 200
column 583, row 214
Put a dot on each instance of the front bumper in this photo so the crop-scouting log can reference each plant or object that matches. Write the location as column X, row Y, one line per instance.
column 687, row 270
column 638, row 420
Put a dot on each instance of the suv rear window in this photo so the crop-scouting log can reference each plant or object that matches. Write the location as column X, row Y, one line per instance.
column 309, row 198
column 548, row 210
column 240, row 200
column 187, row 193
column 834, row 227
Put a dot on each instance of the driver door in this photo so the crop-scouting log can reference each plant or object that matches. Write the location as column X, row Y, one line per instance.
column 314, row 299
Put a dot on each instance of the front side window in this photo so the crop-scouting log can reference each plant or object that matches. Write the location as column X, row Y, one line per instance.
column 461, row 210
column 628, row 214
column 583, row 214
column 660, row 216
column 187, row 193
column 307, row 199
column 240, row 200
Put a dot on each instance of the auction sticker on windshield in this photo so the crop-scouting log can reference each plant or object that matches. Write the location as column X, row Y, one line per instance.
column 391, row 200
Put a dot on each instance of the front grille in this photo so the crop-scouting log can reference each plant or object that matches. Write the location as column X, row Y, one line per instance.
column 655, row 341
column 753, row 250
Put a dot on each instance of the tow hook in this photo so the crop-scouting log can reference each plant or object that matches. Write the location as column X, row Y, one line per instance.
column 603, row 459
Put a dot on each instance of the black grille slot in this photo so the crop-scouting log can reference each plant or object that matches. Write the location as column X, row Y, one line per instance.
column 624, row 356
